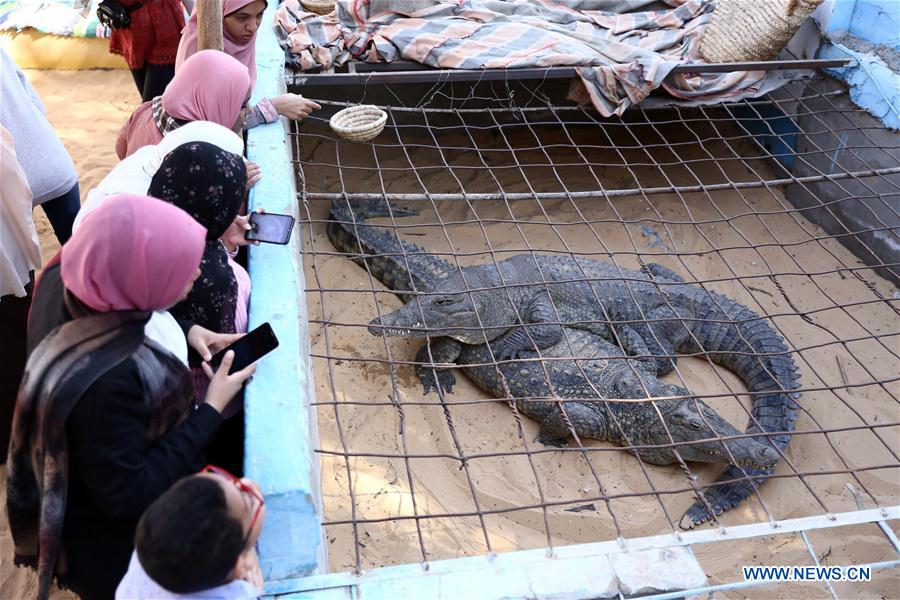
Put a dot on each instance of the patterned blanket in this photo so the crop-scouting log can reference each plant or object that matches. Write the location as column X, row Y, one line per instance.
column 621, row 53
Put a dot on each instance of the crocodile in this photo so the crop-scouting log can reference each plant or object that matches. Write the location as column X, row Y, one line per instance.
column 566, row 395
column 520, row 306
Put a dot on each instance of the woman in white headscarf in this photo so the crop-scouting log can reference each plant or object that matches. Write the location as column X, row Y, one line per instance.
column 133, row 174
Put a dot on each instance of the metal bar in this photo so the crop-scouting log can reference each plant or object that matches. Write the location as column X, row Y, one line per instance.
column 683, row 189
column 812, row 553
column 741, row 585
column 727, row 67
column 428, row 109
column 891, row 536
column 376, row 73
column 563, row 553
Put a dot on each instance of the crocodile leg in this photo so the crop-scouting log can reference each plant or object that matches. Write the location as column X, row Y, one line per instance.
column 621, row 334
column 664, row 332
column 543, row 331
column 443, row 350
column 659, row 271
column 587, row 422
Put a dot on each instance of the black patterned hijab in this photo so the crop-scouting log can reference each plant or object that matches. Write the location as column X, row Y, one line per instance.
column 209, row 184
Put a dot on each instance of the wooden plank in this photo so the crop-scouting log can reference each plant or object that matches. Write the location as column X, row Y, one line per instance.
column 209, row 25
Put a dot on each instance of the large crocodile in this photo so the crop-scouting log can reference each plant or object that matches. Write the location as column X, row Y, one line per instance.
column 600, row 372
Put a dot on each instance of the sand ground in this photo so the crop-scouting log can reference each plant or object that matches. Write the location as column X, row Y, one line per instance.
column 86, row 108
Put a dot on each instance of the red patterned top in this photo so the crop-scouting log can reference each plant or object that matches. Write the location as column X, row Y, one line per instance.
column 153, row 35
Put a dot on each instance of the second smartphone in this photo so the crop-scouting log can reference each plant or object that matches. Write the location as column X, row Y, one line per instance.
column 270, row 227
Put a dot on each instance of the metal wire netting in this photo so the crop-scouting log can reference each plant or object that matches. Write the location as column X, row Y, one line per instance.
column 704, row 191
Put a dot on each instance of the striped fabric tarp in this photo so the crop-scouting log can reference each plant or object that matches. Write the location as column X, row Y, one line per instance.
column 621, row 55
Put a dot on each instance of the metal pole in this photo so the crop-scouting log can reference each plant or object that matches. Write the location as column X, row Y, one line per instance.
column 209, row 21
column 683, row 189
column 387, row 73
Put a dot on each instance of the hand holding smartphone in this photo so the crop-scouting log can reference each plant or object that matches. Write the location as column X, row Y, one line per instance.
column 270, row 227
column 248, row 349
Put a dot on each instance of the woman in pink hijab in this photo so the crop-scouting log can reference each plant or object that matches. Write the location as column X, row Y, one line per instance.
column 105, row 419
column 240, row 22
column 209, row 86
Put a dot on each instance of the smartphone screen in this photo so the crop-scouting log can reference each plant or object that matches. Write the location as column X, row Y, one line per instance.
column 249, row 348
column 270, row 227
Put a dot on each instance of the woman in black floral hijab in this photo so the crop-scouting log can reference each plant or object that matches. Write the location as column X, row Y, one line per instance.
column 209, row 184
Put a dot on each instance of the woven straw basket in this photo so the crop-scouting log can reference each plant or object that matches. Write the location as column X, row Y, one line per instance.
column 747, row 30
column 359, row 123
column 320, row 7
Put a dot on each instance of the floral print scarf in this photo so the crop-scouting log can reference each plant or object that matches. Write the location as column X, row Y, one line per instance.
column 209, row 184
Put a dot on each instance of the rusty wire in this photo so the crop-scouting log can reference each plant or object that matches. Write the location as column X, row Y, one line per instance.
column 695, row 152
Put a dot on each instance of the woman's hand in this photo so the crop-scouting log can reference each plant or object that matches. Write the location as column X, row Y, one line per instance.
column 234, row 236
column 294, row 106
column 254, row 173
column 222, row 386
column 207, row 342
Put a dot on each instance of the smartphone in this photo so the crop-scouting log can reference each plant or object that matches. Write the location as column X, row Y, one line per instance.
column 270, row 227
column 249, row 348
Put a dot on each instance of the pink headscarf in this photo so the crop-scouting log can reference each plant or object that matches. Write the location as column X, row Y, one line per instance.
column 132, row 253
column 244, row 52
column 210, row 86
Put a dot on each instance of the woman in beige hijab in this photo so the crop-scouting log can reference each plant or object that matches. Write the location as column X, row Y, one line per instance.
column 20, row 255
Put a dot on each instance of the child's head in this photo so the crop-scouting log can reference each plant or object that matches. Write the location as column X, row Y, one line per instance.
column 194, row 536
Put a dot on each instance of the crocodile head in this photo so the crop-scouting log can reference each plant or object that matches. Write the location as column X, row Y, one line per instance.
column 687, row 419
column 451, row 310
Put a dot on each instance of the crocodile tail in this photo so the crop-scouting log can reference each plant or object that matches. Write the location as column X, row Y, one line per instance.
column 754, row 351
column 749, row 347
column 398, row 264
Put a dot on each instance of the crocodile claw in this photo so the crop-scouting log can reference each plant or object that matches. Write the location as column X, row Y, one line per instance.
column 504, row 352
column 501, row 352
column 663, row 366
column 698, row 514
column 433, row 379
column 547, row 440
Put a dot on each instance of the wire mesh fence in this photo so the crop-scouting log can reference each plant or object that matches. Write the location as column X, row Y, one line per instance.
column 416, row 467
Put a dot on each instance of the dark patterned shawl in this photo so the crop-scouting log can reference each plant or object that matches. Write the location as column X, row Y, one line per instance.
column 61, row 368
column 209, row 184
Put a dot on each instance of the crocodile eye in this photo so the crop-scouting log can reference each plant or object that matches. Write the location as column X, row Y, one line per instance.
column 443, row 301
column 696, row 425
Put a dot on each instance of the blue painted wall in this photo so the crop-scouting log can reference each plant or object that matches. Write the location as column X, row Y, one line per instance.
column 877, row 21
column 280, row 424
column 874, row 86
